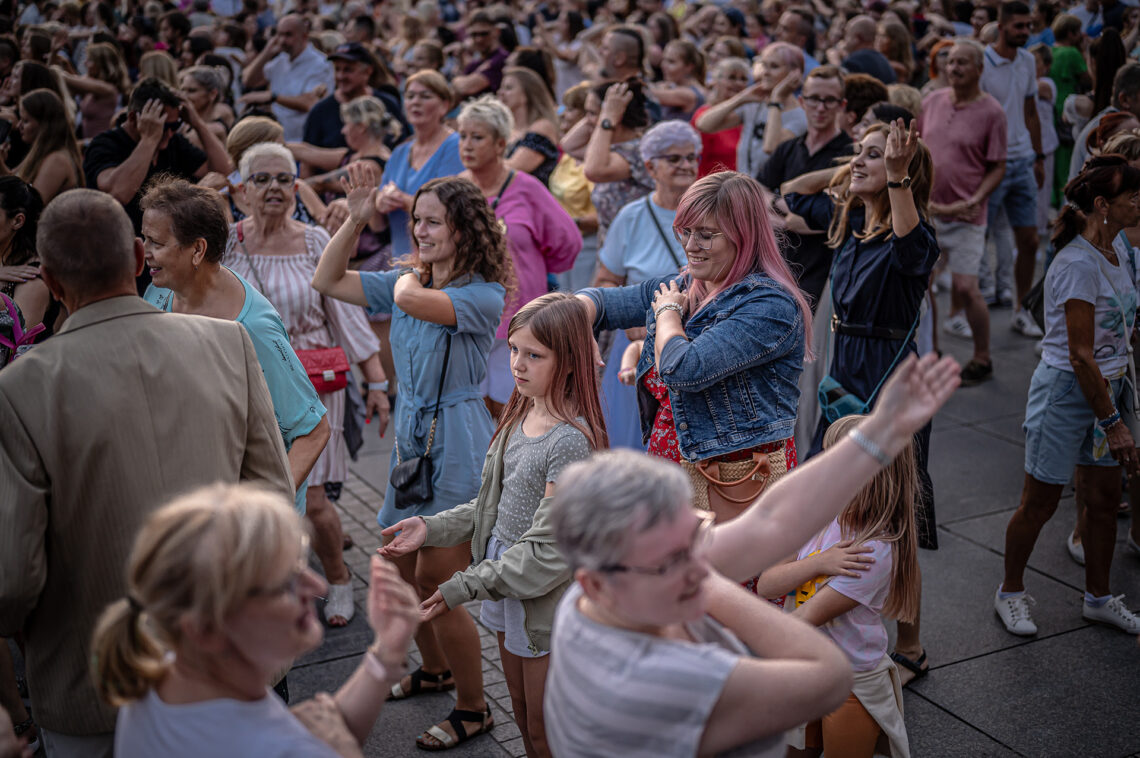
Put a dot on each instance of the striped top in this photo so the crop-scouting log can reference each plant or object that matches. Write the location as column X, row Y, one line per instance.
column 312, row 321
column 615, row 692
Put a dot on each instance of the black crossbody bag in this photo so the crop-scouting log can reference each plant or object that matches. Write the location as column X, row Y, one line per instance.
column 411, row 479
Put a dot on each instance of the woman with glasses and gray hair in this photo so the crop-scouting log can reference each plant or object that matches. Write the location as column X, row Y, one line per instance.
column 640, row 245
column 656, row 650
column 278, row 255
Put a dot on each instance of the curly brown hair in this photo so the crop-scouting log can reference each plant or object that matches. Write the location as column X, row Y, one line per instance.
column 480, row 240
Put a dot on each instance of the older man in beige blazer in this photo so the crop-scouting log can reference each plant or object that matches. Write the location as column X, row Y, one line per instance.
column 124, row 408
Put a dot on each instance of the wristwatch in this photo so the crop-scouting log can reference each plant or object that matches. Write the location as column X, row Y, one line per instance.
column 904, row 184
column 1040, row 156
column 273, row 97
column 607, row 124
column 378, row 386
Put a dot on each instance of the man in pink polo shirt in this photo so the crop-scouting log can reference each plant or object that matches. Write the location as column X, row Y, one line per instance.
column 965, row 129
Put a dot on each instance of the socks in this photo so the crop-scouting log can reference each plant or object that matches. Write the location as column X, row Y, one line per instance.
column 1096, row 602
column 1003, row 595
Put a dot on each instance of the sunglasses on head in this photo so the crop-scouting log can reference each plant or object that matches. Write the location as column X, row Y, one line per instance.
column 263, row 178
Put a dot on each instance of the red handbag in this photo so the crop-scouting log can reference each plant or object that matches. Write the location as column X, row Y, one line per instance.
column 327, row 368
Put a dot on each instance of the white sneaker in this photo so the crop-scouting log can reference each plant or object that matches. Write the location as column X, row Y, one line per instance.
column 1014, row 613
column 958, row 326
column 1113, row 613
column 1076, row 550
column 1023, row 324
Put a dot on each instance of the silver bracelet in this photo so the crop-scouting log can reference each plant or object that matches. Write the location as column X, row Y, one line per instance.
column 869, row 447
column 668, row 307
column 378, row 386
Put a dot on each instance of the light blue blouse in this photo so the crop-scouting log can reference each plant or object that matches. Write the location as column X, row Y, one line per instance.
column 443, row 162
column 463, row 431
column 295, row 401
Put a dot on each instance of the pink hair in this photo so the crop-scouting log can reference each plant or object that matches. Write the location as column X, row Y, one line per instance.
column 737, row 203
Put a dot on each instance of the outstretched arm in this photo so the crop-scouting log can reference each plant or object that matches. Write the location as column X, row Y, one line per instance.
column 803, row 502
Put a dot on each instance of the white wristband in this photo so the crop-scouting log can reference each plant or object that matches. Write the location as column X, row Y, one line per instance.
column 869, row 447
column 377, row 670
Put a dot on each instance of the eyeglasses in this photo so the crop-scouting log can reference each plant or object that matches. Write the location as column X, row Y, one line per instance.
column 704, row 237
column 263, row 178
column 290, row 585
column 702, row 536
column 828, row 102
column 676, row 160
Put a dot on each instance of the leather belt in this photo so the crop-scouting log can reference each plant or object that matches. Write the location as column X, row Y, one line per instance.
column 865, row 330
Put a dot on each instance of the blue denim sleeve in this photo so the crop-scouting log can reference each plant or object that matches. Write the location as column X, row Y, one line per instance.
column 766, row 326
column 379, row 290
column 916, row 253
column 478, row 307
column 622, row 307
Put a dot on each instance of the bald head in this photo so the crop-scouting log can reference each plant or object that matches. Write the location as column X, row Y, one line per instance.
column 860, row 33
column 86, row 243
column 293, row 30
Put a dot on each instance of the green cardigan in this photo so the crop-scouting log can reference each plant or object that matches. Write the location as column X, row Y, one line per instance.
column 532, row 570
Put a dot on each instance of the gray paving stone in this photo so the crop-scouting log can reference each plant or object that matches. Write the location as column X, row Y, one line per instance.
column 934, row 733
column 958, row 620
column 1072, row 694
column 1051, row 558
column 967, row 485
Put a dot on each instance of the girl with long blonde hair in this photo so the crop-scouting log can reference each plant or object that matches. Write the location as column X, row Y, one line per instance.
column 862, row 567
column 53, row 164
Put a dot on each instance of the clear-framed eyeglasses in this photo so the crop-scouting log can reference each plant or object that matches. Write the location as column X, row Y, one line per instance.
column 702, row 538
column 703, row 237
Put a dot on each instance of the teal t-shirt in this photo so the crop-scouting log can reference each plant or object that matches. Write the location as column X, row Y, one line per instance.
column 295, row 402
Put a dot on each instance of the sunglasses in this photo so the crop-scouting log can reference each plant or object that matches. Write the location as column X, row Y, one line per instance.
column 172, row 126
column 263, row 178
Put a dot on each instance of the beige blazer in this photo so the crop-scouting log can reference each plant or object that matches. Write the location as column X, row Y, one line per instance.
column 123, row 409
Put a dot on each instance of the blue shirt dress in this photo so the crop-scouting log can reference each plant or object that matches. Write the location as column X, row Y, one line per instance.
column 295, row 402
column 443, row 162
column 463, row 431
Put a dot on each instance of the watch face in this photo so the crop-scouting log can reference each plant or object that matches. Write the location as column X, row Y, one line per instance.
column 607, row 124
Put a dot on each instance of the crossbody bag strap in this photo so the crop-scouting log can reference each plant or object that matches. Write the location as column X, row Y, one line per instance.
column 438, row 398
column 898, row 356
column 660, row 231
column 249, row 258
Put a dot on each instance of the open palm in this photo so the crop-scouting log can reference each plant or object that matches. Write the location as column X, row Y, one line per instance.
column 360, row 187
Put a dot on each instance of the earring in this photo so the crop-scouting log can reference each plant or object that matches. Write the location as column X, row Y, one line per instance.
column 1106, row 219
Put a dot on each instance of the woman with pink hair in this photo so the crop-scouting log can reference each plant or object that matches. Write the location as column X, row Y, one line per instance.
column 726, row 338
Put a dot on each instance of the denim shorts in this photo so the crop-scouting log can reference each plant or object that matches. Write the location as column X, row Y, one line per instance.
column 1018, row 193
column 1059, row 425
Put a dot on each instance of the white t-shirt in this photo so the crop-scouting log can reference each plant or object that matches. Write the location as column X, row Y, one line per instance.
column 1012, row 82
column 1075, row 274
column 296, row 77
column 222, row 728
column 750, row 155
column 859, row 632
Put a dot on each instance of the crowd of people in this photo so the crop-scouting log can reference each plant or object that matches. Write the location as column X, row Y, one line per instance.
column 642, row 292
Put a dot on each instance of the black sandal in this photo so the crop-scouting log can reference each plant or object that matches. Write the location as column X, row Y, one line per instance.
column 457, row 719
column 420, row 678
column 914, row 667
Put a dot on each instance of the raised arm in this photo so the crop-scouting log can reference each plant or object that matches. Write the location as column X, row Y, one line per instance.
column 332, row 276
column 123, row 181
column 602, row 164
column 902, row 144
column 802, row 503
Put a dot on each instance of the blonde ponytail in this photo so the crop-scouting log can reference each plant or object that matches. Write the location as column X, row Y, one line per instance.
column 126, row 659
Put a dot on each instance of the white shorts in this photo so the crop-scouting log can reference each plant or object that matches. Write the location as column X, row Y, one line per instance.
column 963, row 244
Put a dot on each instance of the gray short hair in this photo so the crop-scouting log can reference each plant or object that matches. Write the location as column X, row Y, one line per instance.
column 263, row 150
column 667, row 134
column 86, row 241
column 976, row 47
column 491, row 111
column 600, row 504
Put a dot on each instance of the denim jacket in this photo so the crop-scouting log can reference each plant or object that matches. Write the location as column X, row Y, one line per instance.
column 734, row 383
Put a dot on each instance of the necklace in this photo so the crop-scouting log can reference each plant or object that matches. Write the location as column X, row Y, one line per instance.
column 1108, row 252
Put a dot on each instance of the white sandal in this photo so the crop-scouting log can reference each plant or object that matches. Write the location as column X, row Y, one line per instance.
column 339, row 602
